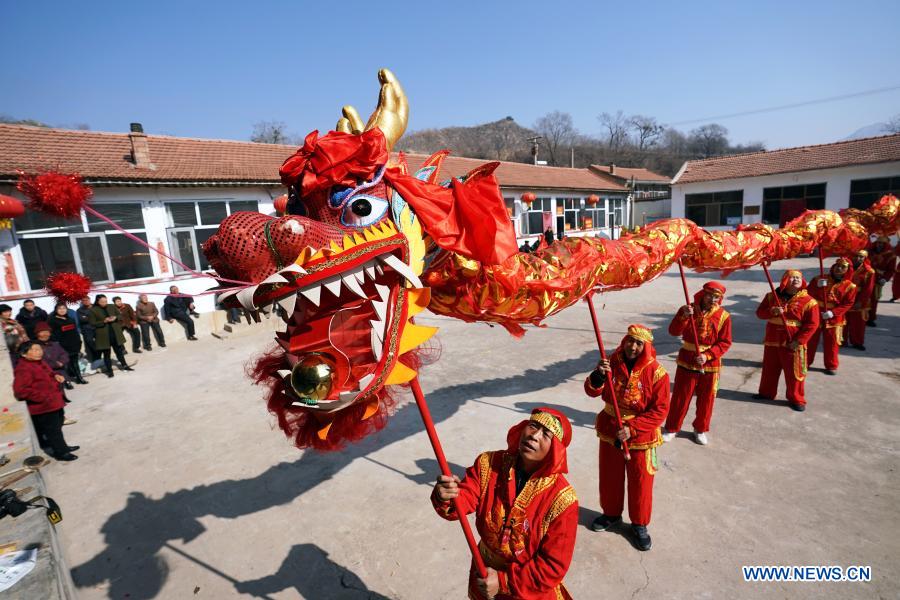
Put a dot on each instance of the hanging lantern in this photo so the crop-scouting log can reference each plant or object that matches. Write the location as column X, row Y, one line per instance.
column 10, row 208
column 281, row 204
column 528, row 198
column 593, row 199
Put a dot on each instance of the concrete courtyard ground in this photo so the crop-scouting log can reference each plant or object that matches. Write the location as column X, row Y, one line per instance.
column 184, row 490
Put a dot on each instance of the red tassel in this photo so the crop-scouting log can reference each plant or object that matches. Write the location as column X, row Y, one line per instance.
column 68, row 287
column 54, row 193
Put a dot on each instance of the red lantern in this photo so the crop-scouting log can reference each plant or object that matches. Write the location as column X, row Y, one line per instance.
column 281, row 204
column 528, row 198
column 593, row 199
column 10, row 208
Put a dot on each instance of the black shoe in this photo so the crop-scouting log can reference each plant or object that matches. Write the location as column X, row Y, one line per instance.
column 859, row 347
column 66, row 457
column 137, row 350
column 68, row 385
column 870, row 323
column 641, row 537
column 892, row 300
column 148, row 349
column 82, row 381
column 162, row 345
column 109, row 373
column 830, row 372
column 797, row 407
column 603, row 523
column 126, row 368
column 73, row 448
column 192, row 338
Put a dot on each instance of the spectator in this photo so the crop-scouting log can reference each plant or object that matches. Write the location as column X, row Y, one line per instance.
column 54, row 355
column 64, row 329
column 29, row 315
column 104, row 318
column 13, row 332
column 36, row 384
column 148, row 318
column 87, row 331
column 179, row 308
column 128, row 320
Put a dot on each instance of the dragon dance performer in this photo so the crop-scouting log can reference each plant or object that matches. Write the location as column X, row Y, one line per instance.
column 699, row 365
column 835, row 293
column 895, row 288
column 864, row 279
column 785, row 350
column 884, row 262
column 642, row 390
column 526, row 511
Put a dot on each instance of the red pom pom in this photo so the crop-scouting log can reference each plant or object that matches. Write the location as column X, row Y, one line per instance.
column 55, row 193
column 68, row 287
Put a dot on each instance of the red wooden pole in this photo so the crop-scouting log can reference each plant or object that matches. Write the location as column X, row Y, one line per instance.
column 822, row 275
column 612, row 389
column 445, row 470
column 778, row 303
column 687, row 300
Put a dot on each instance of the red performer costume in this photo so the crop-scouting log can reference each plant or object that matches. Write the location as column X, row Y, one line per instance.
column 835, row 293
column 895, row 288
column 642, row 390
column 802, row 315
column 699, row 365
column 864, row 279
column 527, row 522
column 884, row 262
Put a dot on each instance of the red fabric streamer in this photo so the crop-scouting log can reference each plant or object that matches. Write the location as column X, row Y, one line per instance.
column 68, row 287
column 468, row 218
column 336, row 159
column 58, row 194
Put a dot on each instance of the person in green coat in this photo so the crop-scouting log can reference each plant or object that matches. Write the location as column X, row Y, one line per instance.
column 104, row 317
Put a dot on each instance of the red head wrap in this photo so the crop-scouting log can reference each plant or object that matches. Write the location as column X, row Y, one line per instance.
column 713, row 287
column 559, row 426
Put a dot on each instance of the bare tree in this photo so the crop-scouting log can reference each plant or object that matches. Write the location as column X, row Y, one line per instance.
column 893, row 124
column 270, row 132
column 616, row 127
column 647, row 129
column 558, row 131
column 709, row 140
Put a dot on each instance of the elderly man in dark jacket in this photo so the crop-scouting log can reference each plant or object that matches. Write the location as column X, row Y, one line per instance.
column 179, row 307
column 87, row 331
column 128, row 320
column 29, row 316
column 106, row 321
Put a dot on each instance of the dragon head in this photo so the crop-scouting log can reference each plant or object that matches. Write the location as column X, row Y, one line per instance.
column 344, row 265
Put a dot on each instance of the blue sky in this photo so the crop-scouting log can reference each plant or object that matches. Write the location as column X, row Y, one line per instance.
column 213, row 69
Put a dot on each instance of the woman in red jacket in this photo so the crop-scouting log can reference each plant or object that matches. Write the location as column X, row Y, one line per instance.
column 38, row 386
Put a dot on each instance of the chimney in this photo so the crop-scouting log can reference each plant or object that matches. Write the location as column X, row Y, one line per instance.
column 140, row 149
column 612, row 168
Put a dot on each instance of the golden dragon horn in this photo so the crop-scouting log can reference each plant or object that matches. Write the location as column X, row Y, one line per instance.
column 390, row 116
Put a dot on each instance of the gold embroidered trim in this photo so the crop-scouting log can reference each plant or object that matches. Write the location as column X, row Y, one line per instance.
column 659, row 373
column 484, row 470
column 550, row 422
column 693, row 348
column 564, row 499
column 791, row 322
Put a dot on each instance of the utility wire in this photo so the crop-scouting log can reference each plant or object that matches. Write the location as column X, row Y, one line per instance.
column 793, row 105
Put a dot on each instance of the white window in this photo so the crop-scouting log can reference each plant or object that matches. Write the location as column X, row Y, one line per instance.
column 87, row 245
column 190, row 224
column 533, row 219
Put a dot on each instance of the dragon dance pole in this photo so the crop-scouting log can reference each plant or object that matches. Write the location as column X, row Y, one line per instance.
column 445, row 470
column 612, row 389
column 822, row 275
column 687, row 300
column 787, row 331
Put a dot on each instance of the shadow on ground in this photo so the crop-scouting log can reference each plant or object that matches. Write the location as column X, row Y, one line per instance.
column 134, row 536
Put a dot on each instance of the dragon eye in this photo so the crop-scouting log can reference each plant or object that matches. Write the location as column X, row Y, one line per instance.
column 362, row 211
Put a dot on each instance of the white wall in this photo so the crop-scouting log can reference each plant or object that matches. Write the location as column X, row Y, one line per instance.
column 837, row 188
column 155, row 222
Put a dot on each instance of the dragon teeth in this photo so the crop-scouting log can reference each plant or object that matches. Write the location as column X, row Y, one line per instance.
column 333, row 285
column 365, row 380
column 313, row 293
column 380, row 308
column 402, row 268
column 288, row 304
column 351, row 282
column 370, row 271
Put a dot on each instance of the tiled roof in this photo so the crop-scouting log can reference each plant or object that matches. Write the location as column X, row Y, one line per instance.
column 789, row 160
column 108, row 157
column 626, row 173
